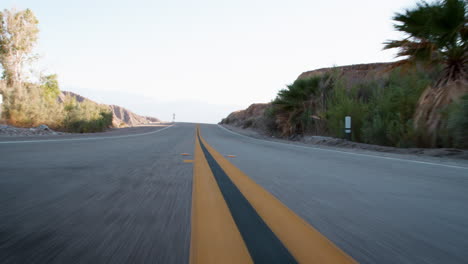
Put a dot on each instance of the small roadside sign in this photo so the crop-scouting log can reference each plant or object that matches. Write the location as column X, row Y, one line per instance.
column 347, row 124
column 348, row 128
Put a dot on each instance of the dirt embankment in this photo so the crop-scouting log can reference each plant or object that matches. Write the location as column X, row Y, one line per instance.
column 353, row 74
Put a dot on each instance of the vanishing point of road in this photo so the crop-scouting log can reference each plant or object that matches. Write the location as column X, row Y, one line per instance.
column 202, row 194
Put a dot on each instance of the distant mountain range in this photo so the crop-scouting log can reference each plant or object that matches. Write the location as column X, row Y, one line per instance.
column 121, row 116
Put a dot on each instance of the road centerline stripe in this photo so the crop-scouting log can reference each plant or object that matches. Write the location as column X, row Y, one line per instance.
column 214, row 236
column 304, row 242
column 262, row 243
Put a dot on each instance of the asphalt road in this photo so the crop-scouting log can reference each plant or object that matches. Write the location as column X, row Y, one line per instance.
column 127, row 198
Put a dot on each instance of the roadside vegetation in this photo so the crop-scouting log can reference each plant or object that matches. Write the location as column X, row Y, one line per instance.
column 27, row 103
column 419, row 101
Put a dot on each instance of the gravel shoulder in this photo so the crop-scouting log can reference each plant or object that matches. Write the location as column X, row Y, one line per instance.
column 443, row 155
column 10, row 133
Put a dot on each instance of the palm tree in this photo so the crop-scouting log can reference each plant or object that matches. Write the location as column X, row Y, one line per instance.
column 435, row 33
column 294, row 104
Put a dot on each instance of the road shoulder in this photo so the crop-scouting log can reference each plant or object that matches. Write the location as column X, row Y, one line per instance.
column 431, row 156
column 115, row 132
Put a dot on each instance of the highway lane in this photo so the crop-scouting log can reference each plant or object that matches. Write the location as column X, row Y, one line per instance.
column 108, row 200
column 377, row 210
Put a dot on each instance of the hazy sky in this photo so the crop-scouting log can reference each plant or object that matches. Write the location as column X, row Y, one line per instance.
column 202, row 59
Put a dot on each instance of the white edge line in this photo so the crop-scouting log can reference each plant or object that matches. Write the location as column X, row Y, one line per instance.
column 85, row 138
column 345, row 152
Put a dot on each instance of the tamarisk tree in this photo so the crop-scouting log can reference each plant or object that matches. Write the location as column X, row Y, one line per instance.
column 18, row 35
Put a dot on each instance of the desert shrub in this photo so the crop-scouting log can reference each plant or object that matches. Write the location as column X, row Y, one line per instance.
column 381, row 111
column 98, row 124
column 269, row 120
column 50, row 87
column 457, row 123
column 248, row 123
column 343, row 102
column 25, row 106
column 391, row 109
column 85, row 117
column 30, row 105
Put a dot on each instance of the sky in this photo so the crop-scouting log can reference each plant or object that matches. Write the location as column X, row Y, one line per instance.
column 202, row 59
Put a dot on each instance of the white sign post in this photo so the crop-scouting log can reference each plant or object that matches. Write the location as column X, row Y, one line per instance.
column 348, row 127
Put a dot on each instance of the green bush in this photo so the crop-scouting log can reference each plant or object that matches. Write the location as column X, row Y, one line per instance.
column 50, row 87
column 391, row 108
column 342, row 103
column 382, row 108
column 26, row 106
column 269, row 120
column 85, row 117
column 458, row 123
column 30, row 105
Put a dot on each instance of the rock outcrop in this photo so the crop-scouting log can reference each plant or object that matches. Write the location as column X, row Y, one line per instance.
column 253, row 117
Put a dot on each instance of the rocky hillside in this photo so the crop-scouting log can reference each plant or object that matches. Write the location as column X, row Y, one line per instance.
column 253, row 116
column 121, row 116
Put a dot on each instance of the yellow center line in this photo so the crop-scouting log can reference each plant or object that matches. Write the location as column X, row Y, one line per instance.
column 305, row 243
column 215, row 237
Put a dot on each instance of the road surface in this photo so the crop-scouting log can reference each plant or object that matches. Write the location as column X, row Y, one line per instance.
column 127, row 198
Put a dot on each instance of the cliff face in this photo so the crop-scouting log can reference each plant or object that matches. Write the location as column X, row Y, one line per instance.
column 121, row 116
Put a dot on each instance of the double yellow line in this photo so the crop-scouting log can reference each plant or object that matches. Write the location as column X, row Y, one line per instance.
column 215, row 235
